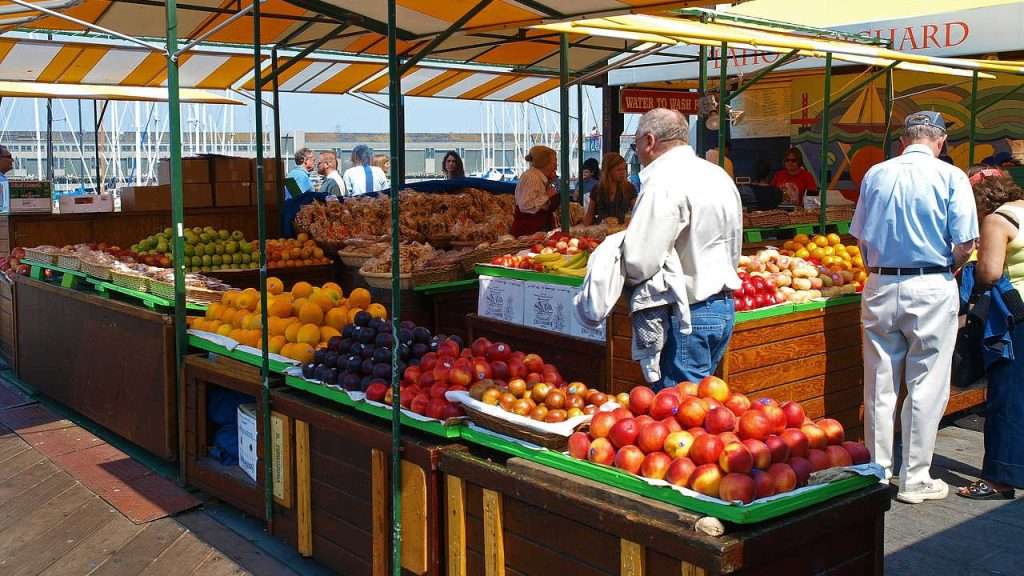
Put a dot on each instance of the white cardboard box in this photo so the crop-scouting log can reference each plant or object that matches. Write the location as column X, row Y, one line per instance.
column 501, row 299
column 86, row 203
column 549, row 307
column 247, row 439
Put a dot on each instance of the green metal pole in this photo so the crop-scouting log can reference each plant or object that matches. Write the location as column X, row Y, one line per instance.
column 563, row 109
column 279, row 167
column 395, row 104
column 261, row 225
column 860, row 85
column 888, row 112
column 702, row 87
column 723, row 99
column 579, row 135
column 177, row 204
column 973, row 131
column 826, row 121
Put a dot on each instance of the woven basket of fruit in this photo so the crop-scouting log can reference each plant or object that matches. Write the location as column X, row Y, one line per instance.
column 839, row 213
column 803, row 217
column 382, row 280
column 489, row 252
column 768, row 218
column 96, row 269
column 44, row 254
column 136, row 282
column 355, row 259
column 69, row 261
column 437, row 275
column 500, row 425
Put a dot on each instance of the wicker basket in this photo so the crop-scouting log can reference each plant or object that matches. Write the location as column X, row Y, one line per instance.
column 804, row 217
column 96, row 270
column 839, row 213
column 462, row 244
column 440, row 241
column 438, row 275
column 192, row 294
column 353, row 258
column 767, row 219
column 486, row 254
column 501, row 426
column 40, row 256
column 69, row 261
column 382, row 280
column 136, row 282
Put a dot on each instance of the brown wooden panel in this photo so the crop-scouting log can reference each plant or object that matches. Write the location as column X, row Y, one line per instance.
column 338, row 559
column 622, row 348
column 562, row 536
column 833, row 402
column 963, row 399
column 621, row 325
column 816, row 386
column 627, row 370
column 327, row 495
column 346, row 478
column 749, row 334
column 794, row 370
column 341, row 532
column 793, row 348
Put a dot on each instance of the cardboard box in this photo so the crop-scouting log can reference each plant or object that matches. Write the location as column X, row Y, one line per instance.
column 231, row 169
column 195, row 170
column 151, row 198
column 86, row 203
column 232, row 194
column 247, row 440
column 548, row 307
column 271, row 168
column 29, row 196
column 501, row 299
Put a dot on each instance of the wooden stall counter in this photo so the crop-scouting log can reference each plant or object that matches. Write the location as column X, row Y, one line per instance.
column 519, row 517
column 111, row 361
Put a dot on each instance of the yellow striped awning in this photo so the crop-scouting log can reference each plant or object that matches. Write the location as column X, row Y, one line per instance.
column 98, row 92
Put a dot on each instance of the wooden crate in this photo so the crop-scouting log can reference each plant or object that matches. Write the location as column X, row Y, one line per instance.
column 111, row 361
column 228, row 483
column 8, row 324
column 451, row 310
column 525, row 519
column 340, row 509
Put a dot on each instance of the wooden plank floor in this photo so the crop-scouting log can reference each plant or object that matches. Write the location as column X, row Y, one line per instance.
column 51, row 524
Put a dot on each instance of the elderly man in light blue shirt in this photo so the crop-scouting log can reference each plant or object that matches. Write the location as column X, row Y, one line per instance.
column 916, row 224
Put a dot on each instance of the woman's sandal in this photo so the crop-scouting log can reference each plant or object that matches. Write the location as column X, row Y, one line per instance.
column 982, row 490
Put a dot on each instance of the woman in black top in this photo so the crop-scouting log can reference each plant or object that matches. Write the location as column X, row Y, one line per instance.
column 613, row 196
column 451, row 166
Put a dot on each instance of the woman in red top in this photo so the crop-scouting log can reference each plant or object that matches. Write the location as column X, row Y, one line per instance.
column 794, row 180
column 536, row 195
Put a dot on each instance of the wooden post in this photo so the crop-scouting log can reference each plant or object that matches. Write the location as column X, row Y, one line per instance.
column 281, row 436
column 456, row 511
column 414, row 518
column 304, row 513
column 691, row 570
column 379, row 511
column 494, row 536
column 632, row 558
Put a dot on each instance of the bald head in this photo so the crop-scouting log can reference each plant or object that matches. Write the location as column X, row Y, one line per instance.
column 658, row 131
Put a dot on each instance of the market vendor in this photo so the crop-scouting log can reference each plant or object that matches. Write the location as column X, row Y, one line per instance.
column 794, row 180
column 613, row 197
column 452, row 166
column 536, row 194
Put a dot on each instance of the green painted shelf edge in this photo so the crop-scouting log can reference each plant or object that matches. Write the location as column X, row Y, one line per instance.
column 610, row 476
column 527, row 275
column 340, row 397
column 54, row 267
column 796, row 226
column 447, row 287
column 276, row 367
column 784, row 309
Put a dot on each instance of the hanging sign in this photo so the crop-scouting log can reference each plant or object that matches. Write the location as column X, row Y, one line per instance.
column 639, row 100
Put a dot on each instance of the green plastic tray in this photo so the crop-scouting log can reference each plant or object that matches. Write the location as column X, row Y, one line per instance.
column 69, row 279
column 607, row 475
column 435, row 428
column 276, row 366
column 527, row 275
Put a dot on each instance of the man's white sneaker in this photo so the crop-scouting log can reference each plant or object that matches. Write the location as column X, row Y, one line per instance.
column 934, row 490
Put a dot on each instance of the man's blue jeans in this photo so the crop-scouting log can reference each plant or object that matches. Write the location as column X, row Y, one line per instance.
column 691, row 357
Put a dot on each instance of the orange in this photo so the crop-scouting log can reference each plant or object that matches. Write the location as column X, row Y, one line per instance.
column 302, row 289
column 309, row 333
column 275, row 326
column 302, row 237
column 297, row 305
column 224, row 329
column 291, row 333
column 326, row 332
column 310, row 313
column 214, row 310
column 276, row 343
column 352, row 314
column 238, row 318
column 378, row 311
column 280, row 308
column 237, row 335
column 325, row 299
column 286, row 350
column 301, row 352
column 359, row 298
column 802, row 253
column 337, row 318
column 230, row 298
column 252, row 322
column 834, row 239
column 789, row 245
column 821, row 240
column 801, row 239
column 274, row 285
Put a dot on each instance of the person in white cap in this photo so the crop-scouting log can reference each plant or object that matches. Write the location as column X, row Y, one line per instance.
column 916, row 224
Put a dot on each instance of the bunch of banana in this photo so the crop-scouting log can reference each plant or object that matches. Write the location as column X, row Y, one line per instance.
column 550, row 261
column 574, row 266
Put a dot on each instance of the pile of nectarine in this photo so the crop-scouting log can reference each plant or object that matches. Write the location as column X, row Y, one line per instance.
column 716, row 442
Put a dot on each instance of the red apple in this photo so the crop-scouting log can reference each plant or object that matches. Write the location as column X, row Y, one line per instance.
column 858, row 452
column 427, row 380
column 640, row 399
column 533, row 363
column 783, row 477
column 706, row 479
column 738, row 403
column 802, row 468
column 436, row 408
column 778, row 448
column 644, row 420
column 663, row 405
column 816, row 437
column 674, row 390
column 629, row 458
column 622, row 413
column 534, row 378
column 624, row 433
column 411, row 375
column 673, row 426
column 764, row 484
column 652, row 437
column 697, row 431
column 680, row 471
column 754, row 424
column 437, row 390
column 691, row 413
column 833, row 430
column 579, row 445
column 797, row 442
column 480, row 346
column 452, row 411
column 720, row 420
column 655, row 465
column 516, row 369
column 420, row 403
column 678, row 444
column 713, row 387
column 737, row 487
column 482, row 370
column 601, row 452
column 688, row 388
column 622, row 399
column 761, row 402
column 736, row 457
column 706, row 449
column 710, row 404
column 457, row 377
column 794, row 414
column 729, row 438
column 759, row 451
column 601, row 424
column 498, row 351
column 776, row 418
column 818, row 459
column 838, row 457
